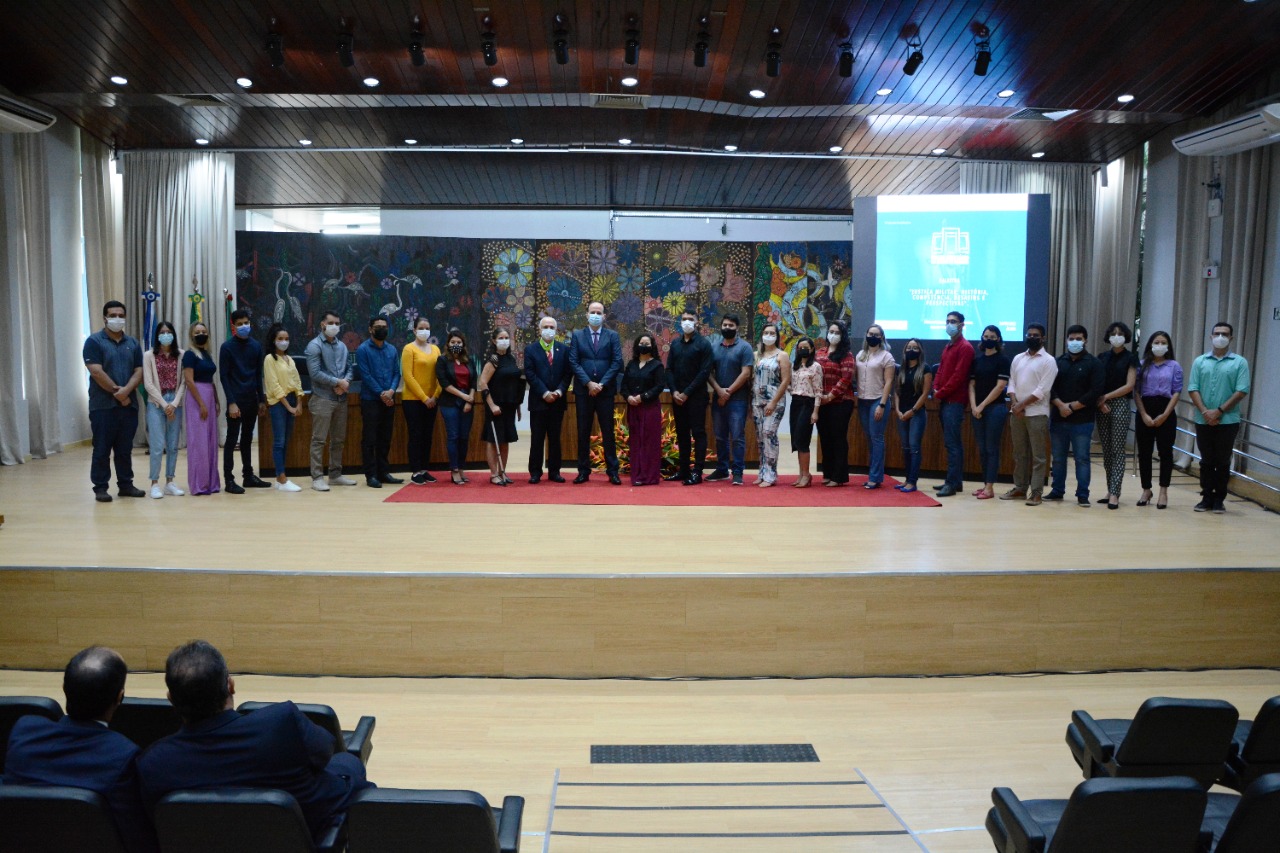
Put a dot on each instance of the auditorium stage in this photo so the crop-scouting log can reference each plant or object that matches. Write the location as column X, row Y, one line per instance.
column 347, row 583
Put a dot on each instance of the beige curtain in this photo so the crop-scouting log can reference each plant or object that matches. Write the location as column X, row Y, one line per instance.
column 103, row 242
column 1112, row 294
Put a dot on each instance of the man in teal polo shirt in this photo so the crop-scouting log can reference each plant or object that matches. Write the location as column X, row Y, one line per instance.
column 1219, row 381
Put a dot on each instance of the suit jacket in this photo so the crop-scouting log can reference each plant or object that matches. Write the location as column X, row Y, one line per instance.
column 602, row 364
column 274, row 747
column 83, row 755
column 544, row 377
column 447, row 375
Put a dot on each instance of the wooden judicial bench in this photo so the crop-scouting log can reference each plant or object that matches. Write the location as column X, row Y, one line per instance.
column 298, row 453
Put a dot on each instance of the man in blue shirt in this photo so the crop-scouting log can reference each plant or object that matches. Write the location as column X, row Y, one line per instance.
column 240, row 372
column 1219, row 381
column 379, row 364
column 733, row 362
column 114, row 361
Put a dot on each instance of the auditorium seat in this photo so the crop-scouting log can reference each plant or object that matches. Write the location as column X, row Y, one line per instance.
column 50, row 819
column 1167, row 737
column 13, row 707
column 145, row 721
column 1248, row 824
column 392, row 820
column 1103, row 816
column 237, row 820
column 1257, row 747
column 358, row 741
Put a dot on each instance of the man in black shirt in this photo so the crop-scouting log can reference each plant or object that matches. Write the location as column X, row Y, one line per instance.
column 1075, row 398
column 688, row 367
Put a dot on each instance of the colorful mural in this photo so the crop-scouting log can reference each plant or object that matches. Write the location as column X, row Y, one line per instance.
column 477, row 285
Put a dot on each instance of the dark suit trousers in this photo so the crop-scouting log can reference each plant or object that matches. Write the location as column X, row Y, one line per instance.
column 546, row 425
column 375, row 440
column 1216, row 444
column 599, row 407
column 691, row 427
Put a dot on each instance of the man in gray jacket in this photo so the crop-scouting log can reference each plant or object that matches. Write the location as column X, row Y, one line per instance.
column 330, row 369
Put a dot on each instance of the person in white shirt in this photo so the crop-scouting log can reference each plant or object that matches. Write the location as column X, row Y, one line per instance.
column 1030, row 384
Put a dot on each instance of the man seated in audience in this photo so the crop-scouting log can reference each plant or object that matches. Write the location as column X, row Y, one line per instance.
column 217, row 747
column 80, row 751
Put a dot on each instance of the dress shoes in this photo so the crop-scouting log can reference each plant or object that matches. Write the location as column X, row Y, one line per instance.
column 947, row 491
column 535, row 479
column 391, row 479
column 373, row 482
column 615, row 479
column 253, row 481
column 677, row 475
column 581, row 478
column 694, row 479
column 102, row 497
column 555, row 478
column 131, row 492
column 233, row 488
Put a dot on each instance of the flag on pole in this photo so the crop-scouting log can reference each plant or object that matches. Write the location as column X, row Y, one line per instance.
column 227, row 301
column 150, row 296
column 197, row 302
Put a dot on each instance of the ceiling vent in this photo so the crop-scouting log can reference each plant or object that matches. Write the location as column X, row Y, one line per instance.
column 21, row 117
column 1036, row 114
column 194, row 100
column 620, row 102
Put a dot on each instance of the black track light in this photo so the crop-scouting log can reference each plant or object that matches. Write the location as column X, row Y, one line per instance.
column 416, row 56
column 561, row 43
column 982, row 58
column 275, row 49
column 773, row 57
column 702, row 43
column 632, row 54
column 489, row 48
column 346, row 49
column 982, row 62
column 846, row 60
column 915, row 55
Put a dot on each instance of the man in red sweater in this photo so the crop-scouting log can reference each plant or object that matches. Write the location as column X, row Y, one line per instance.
column 951, row 390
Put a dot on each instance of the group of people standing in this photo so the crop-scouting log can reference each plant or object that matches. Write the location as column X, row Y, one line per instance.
column 1045, row 401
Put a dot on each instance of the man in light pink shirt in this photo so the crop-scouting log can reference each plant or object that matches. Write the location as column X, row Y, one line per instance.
column 1030, row 383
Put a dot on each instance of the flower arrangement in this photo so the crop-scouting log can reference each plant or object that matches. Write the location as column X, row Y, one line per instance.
column 622, row 439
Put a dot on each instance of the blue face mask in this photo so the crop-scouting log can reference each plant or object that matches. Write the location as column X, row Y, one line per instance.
column 1075, row 347
column 596, row 320
column 952, row 328
column 244, row 331
column 165, row 339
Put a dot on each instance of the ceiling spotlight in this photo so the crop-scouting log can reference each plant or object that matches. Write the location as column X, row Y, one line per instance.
column 1125, row 99
column 304, row 142
column 416, row 56
column 846, row 59
column 244, row 82
column 118, row 80
column 632, row 53
column 489, row 43
column 1005, row 93
column 411, row 142
column 756, row 93
column 938, row 151
column 202, row 141
column 500, row 82
column 836, row 149
column 517, row 141
column 883, row 92
column 915, row 52
column 630, row 81
column 624, row 141
column 561, row 43
column 702, row 43
column 773, row 56
column 372, row 82
column 346, row 48
column 275, row 48
column 1038, row 155
column 982, row 58
column 731, row 148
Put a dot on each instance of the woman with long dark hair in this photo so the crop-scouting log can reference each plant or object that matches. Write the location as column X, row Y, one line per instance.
column 458, row 375
column 1120, row 365
column 1158, row 386
column 420, row 398
column 198, row 368
column 839, row 381
column 875, row 369
column 915, row 381
column 642, row 384
column 161, row 366
column 988, row 379
column 502, row 389
column 806, row 401
column 283, row 386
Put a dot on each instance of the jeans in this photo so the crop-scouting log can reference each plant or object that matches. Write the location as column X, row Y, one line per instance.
column 912, row 435
column 239, row 433
column 874, row 431
column 162, row 437
column 952, row 424
column 988, row 431
column 457, row 430
column 377, row 421
column 281, row 430
column 1076, row 437
column 730, row 424
column 691, row 430
column 113, row 431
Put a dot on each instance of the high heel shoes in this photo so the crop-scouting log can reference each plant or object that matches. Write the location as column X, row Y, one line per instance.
column 456, row 476
column 1146, row 497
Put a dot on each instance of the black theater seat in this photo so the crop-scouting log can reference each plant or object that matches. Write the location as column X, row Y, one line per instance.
column 391, row 820
column 145, row 721
column 1248, row 824
column 237, row 820
column 49, row 819
column 1256, row 747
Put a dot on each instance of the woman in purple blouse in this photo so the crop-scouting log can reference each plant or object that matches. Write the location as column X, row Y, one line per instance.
column 1159, row 385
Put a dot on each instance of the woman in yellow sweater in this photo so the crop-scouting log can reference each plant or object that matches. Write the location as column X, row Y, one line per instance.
column 421, row 388
column 283, row 386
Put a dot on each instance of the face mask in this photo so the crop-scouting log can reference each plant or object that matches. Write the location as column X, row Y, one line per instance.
column 165, row 339
column 282, row 345
column 769, row 340
column 728, row 333
column 503, row 344
column 548, row 334
column 115, row 324
column 1075, row 347
column 332, row 330
column 1159, row 350
column 456, row 349
column 423, row 335
column 912, row 354
column 687, row 326
column 201, row 340
column 1117, row 340
column 833, row 338
column 596, row 320
column 952, row 328
column 244, row 331
column 644, row 349
column 990, row 343
column 873, row 340
column 804, row 353
column 1034, row 342
column 1221, row 341
column 379, row 334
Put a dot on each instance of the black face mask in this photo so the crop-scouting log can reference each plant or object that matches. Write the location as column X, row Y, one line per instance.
column 379, row 334
column 873, row 340
column 1034, row 344
column 644, row 349
column 201, row 340
column 455, row 348
column 729, row 334
column 804, row 353
column 988, row 343
column 911, row 354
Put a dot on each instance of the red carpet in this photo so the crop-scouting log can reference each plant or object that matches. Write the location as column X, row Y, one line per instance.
column 599, row 491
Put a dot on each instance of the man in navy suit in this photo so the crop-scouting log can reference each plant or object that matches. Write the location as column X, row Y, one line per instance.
column 546, row 367
column 595, row 354
column 80, row 751
column 217, row 747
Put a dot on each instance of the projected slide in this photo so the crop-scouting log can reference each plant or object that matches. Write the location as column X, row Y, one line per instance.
column 941, row 253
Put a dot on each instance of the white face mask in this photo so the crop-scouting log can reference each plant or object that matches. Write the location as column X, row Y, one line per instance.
column 423, row 335
column 1159, row 350
column 115, row 324
column 332, row 330
column 769, row 340
column 1117, row 340
column 687, row 326
column 1221, row 341
column 833, row 338
column 503, row 344
column 282, row 345
column 548, row 334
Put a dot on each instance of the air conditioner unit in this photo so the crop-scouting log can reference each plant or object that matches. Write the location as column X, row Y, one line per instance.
column 1251, row 130
column 20, row 117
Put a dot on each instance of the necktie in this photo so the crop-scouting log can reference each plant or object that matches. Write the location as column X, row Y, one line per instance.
column 595, row 340
column 549, row 361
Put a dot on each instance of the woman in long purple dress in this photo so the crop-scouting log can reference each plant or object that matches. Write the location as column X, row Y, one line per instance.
column 202, row 410
column 642, row 384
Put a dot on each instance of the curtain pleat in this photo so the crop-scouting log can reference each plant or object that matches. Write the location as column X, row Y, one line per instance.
column 103, row 243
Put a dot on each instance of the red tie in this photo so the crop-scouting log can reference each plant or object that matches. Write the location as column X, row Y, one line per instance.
column 549, row 355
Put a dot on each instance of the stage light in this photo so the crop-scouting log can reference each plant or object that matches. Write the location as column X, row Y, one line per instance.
column 1125, row 99
column 346, row 49
column 202, row 141
column 773, row 56
column 489, row 43
column 981, row 62
column 702, row 43
column 500, row 82
column 731, row 148
column 244, row 82
column 275, row 46
column 846, row 60
column 883, row 92
column 416, row 55
column 1005, row 93
column 756, row 93
column 982, row 42
column 118, row 80
column 372, row 82
column 631, row 55
column 914, row 60
column 561, row 43
column 629, row 82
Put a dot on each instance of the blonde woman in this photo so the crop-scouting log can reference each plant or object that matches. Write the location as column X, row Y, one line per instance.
column 770, row 381
column 876, row 369
column 420, row 398
column 915, row 382
column 198, row 368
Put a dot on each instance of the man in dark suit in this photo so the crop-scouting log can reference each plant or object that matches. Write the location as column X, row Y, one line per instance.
column 217, row 747
column 595, row 354
column 546, row 367
column 80, row 751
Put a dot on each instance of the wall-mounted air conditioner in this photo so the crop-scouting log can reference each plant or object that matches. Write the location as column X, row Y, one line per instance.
column 1251, row 130
column 20, row 117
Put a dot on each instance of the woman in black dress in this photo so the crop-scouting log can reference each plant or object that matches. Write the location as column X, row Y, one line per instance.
column 502, row 389
column 642, row 384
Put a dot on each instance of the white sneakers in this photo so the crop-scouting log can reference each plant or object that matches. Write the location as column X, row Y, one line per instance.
column 341, row 481
column 156, row 492
column 319, row 485
column 172, row 489
column 287, row 486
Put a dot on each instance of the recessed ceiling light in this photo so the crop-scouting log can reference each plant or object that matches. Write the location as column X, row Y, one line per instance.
column 244, row 82
column 630, row 81
column 517, row 141
column 731, row 148
column 411, row 142
column 756, row 93
column 939, row 151
column 883, row 92
column 1005, row 93
column 500, row 81
column 836, row 149
column 1038, row 155
column 202, row 141
column 624, row 141
column 1124, row 99
column 371, row 82
column 118, row 80
column 304, row 141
